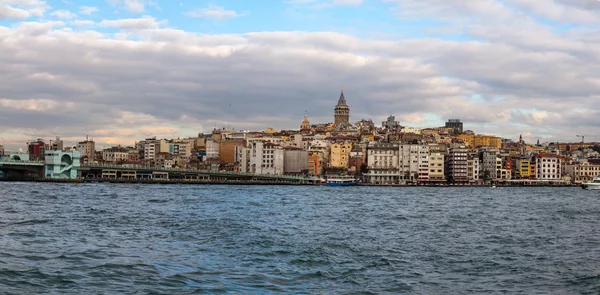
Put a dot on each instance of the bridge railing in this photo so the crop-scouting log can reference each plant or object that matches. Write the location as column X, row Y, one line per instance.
column 12, row 161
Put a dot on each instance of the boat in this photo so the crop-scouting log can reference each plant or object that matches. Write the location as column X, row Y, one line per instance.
column 594, row 184
column 341, row 181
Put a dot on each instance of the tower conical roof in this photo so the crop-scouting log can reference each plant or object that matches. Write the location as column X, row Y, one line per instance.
column 342, row 100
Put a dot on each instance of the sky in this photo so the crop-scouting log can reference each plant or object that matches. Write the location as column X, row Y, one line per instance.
column 123, row 70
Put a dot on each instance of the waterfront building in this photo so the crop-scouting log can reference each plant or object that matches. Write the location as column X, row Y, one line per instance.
column 295, row 160
column 584, row 170
column 473, row 167
column 341, row 113
column 262, row 158
column 382, row 163
column 456, row 165
column 413, row 162
column 436, row 166
column 315, row 160
column 355, row 159
column 547, row 166
column 503, row 170
column 489, row 169
column 339, row 154
column 62, row 165
column 521, row 168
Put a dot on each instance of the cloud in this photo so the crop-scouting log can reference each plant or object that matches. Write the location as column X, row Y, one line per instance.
column 64, row 14
column 8, row 12
column 347, row 2
column 83, row 23
column 134, row 5
column 131, row 24
column 509, row 74
column 32, row 7
column 87, row 10
column 215, row 12
column 318, row 4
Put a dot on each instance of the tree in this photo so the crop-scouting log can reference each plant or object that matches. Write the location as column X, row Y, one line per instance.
column 486, row 175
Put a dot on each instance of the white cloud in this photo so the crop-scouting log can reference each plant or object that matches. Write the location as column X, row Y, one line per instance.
column 131, row 24
column 8, row 12
column 64, row 14
column 83, row 23
column 32, row 7
column 347, row 2
column 318, row 4
column 215, row 12
column 87, row 10
column 134, row 5
column 512, row 75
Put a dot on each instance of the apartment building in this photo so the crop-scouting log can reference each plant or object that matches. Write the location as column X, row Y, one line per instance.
column 413, row 162
column 382, row 162
column 456, row 165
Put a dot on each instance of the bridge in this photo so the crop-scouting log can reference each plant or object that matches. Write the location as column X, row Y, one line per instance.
column 94, row 171
column 24, row 169
column 21, row 169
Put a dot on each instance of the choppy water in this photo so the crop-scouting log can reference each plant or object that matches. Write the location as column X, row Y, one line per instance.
column 134, row 239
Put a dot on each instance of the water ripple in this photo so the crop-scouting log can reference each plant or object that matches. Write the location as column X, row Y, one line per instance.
column 137, row 239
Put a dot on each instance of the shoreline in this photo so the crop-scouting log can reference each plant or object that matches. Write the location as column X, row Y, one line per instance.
column 260, row 182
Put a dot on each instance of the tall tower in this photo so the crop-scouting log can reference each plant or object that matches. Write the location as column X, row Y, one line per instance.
column 341, row 112
column 305, row 126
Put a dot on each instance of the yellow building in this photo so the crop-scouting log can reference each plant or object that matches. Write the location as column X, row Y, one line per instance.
column 524, row 168
column 339, row 154
column 466, row 138
column 436, row 166
column 487, row 140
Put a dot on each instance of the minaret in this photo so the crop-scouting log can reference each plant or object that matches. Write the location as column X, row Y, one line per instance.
column 341, row 112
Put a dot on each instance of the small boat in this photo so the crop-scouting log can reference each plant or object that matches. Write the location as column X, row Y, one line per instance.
column 594, row 184
column 341, row 181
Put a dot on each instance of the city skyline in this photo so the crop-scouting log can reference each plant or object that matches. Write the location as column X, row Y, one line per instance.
column 121, row 70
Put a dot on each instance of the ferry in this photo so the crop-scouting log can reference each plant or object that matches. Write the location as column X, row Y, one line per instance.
column 594, row 184
column 341, row 181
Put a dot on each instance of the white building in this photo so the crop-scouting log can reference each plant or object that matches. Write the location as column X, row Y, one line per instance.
column 115, row 154
column 413, row 162
column 212, row 149
column 262, row 158
column 382, row 162
column 547, row 166
column 473, row 167
column 150, row 150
